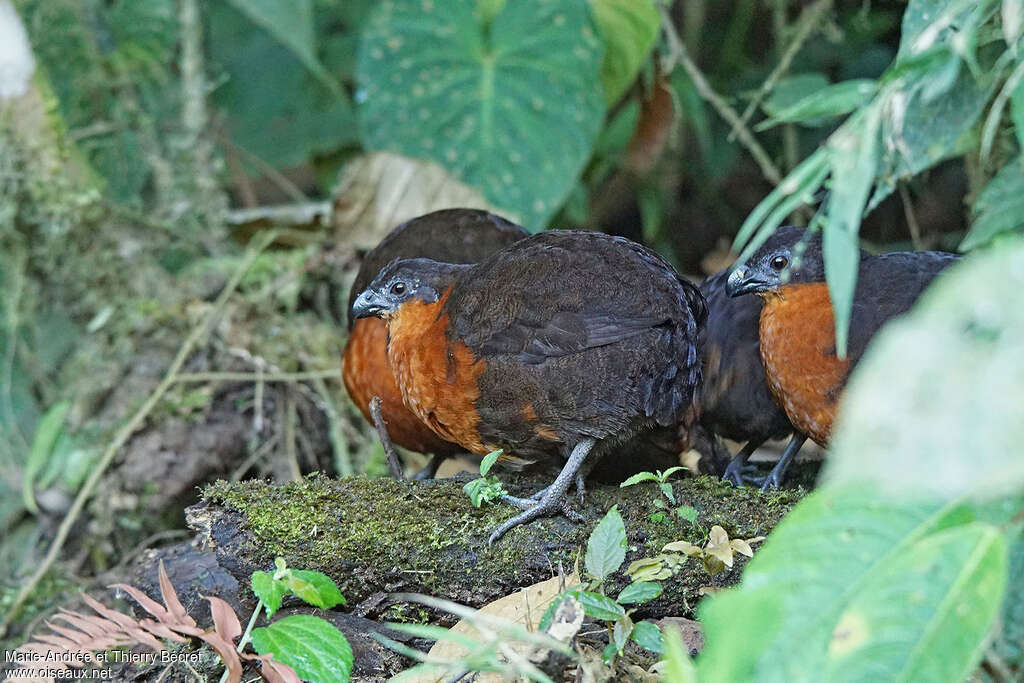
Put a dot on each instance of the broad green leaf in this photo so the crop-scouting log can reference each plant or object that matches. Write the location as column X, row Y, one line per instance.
column 269, row 590
column 1017, row 111
column 1000, row 207
column 853, row 153
column 488, row 462
column 678, row 667
column 290, row 22
column 927, row 23
column 639, row 591
column 273, row 107
column 316, row 649
column 637, row 478
column 49, row 429
column 598, row 606
column 621, row 631
column 629, row 29
column 489, row 9
column 826, row 102
column 315, row 588
column 648, row 636
column 1008, row 642
column 832, row 553
column 606, row 548
column 666, row 490
column 926, row 617
column 512, row 108
column 918, row 133
column 942, row 387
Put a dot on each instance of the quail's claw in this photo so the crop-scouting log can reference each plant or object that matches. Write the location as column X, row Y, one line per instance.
column 553, row 496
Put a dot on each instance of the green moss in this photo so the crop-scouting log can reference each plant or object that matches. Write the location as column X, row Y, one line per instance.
column 406, row 533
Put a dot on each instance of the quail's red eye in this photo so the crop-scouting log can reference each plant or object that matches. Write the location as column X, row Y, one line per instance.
column 779, row 262
column 398, row 289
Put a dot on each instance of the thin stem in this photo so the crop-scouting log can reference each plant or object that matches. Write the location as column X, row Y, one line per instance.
column 807, row 22
column 257, row 377
column 678, row 53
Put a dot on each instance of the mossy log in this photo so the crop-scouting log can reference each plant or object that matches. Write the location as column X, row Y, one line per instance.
column 381, row 536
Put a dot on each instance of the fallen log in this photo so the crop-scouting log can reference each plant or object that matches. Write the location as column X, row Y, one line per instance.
column 375, row 537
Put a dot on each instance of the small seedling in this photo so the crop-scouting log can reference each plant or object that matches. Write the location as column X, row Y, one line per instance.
column 657, row 476
column 606, row 551
column 485, row 489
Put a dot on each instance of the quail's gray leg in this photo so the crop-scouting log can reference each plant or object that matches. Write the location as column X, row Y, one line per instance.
column 734, row 472
column 382, row 431
column 778, row 473
column 553, row 495
column 430, row 471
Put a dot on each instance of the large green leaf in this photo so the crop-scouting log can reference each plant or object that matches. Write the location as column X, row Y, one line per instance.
column 629, row 29
column 930, row 22
column 606, row 548
column 512, row 107
column 934, row 407
column 919, row 132
column 1000, row 207
column 1017, row 111
column 290, row 22
column 274, row 107
column 315, row 648
column 1009, row 642
column 925, row 617
column 845, row 577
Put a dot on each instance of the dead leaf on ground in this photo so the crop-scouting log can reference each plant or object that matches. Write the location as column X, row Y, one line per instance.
column 525, row 607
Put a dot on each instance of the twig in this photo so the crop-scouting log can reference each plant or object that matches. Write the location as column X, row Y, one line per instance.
column 258, row 245
column 273, row 175
column 257, row 377
column 342, row 457
column 385, row 439
column 290, row 418
column 254, row 458
column 678, row 52
column 194, row 116
column 908, row 211
column 808, row 21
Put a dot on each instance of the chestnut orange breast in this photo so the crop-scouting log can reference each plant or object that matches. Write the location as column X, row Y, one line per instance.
column 367, row 373
column 437, row 376
column 798, row 348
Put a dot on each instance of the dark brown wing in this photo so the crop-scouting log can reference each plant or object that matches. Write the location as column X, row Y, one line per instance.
column 449, row 235
column 734, row 397
column 594, row 333
column 887, row 287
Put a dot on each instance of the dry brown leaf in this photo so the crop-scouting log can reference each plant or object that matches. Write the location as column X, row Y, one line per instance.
column 273, row 671
column 524, row 607
column 170, row 597
column 377, row 191
column 225, row 621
